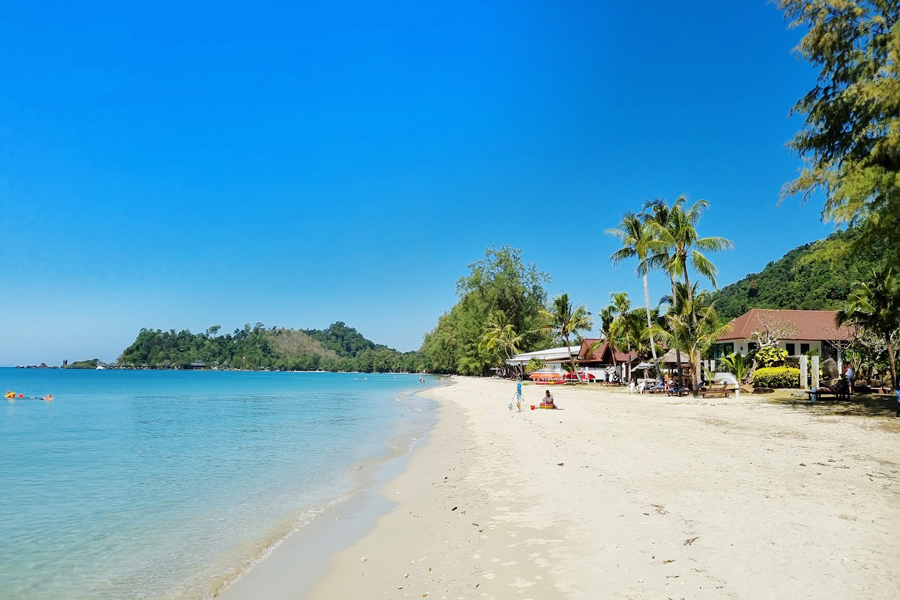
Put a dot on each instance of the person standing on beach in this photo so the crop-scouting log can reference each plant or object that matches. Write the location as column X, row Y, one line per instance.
column 850, row 378
column 519, row 395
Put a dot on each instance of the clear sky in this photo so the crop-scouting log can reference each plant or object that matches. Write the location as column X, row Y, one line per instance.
column 184, row 165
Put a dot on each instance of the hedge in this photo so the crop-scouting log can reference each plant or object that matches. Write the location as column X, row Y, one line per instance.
column 777, row 377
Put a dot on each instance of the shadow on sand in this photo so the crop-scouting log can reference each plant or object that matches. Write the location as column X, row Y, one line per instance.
column 859, row 405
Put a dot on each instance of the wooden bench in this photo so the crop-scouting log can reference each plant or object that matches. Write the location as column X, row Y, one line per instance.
column 722, row 391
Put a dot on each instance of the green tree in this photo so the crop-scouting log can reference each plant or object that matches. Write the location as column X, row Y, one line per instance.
column 499, row 282
column 636, row 239
column 740, row 366
column 500, row 337
column 850, row 142
column 693, row 326
column 566, row 319
column 874, row 307
column 678, row 247
column 621, row 330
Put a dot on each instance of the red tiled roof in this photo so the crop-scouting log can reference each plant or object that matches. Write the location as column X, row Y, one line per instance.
column 812, row 324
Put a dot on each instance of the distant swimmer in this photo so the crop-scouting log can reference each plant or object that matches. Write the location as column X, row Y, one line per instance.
column 48, row 398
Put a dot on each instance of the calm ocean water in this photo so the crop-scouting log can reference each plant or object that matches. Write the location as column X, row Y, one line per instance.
column 160, row 484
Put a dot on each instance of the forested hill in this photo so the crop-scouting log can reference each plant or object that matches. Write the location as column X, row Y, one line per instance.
column 338, row 348
column 813, row 276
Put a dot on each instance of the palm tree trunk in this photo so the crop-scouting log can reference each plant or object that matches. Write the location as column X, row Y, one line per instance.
column 572, row 360
column 893, row 367
column 677, row 351
column 650, row 326
column 695, row 376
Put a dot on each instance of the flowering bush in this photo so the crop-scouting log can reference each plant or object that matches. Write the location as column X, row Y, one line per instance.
column 770, row 356
column 777, row 377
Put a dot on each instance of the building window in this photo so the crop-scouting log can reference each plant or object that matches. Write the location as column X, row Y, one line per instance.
column 791, row 349
column 723, row 350
column 804, row 348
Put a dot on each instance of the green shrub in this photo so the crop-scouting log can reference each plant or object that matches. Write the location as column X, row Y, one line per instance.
column 770, row 356
column 777, row 377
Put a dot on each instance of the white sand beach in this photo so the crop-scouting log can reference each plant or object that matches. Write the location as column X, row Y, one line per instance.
column 627, row 496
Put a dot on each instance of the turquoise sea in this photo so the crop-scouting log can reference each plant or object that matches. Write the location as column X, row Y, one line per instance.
column 169, row 484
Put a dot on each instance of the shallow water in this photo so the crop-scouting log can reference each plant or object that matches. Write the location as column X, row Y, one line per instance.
column 162, row 484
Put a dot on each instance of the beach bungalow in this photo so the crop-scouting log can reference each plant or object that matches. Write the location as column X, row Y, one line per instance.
column 604, row 357
column 802, row 331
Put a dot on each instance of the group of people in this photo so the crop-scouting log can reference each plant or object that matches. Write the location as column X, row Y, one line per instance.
column 546, row 402
column 13, row 395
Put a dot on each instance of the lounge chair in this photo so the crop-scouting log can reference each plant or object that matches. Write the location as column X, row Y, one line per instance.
column 658, row 387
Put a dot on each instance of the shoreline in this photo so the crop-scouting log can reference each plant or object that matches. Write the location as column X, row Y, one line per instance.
column 342, row 521
column 627, row 496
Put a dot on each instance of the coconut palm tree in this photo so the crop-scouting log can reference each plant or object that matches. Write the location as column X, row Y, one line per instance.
column 693, row 326
column 677, row 245
column 657, row 216
column 874, row 307
column 622, row 305
column 636, row 238
column 565, row 318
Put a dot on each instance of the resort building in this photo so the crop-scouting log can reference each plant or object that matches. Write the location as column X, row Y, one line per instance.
column 599, row 362
column 798, row 331
column 553, row 358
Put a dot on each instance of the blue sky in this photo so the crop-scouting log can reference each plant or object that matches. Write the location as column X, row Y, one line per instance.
column 185, row 165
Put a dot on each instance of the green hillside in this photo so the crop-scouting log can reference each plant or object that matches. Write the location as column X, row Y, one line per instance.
column 813, row 276
column 338, row 348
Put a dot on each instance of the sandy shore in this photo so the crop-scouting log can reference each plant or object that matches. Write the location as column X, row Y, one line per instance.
column 620, row 496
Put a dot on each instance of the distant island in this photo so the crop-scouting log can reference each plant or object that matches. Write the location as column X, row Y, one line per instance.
column 337, row 348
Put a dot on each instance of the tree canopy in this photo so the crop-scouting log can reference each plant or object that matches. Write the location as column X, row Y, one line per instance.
column 499, row 286
column 816, row 276
column 338, row 348
column 850, row 142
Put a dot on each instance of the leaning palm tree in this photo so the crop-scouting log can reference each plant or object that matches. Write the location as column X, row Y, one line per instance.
column 693, row 326
column 636, row 238
column 500, row 337
column 874, row 307
column 565, row 319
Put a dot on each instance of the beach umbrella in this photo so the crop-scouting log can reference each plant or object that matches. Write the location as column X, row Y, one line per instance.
column 644, row 366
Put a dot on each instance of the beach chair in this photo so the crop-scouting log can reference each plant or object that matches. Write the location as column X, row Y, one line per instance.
column 658, row 387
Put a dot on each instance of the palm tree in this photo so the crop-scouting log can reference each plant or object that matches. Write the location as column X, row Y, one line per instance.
column 566, row 318
column 657, row 213
column 874, row 307
column 499, row 335
column 740, row 366
column 636, row 239
column 607, row 330
column 693, row 326
column 622, row 305
column 677, row 244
